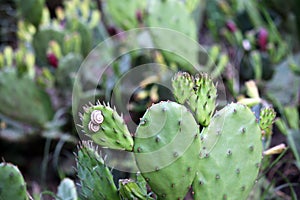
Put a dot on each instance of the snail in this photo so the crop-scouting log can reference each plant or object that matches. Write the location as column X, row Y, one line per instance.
column 97, row 117
column 93, row 127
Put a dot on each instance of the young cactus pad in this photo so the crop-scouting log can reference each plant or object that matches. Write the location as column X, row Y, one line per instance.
column 106, row 127
column 95, row 178
column 231, row 154
column 12, row 184
column 203, row 102
column 183, row 85
column 167, row 147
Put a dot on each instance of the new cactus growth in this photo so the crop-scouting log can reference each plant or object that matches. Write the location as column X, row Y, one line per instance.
column 266, row 120
column 12, row 184
column 203, row 102
column 183, row 85
column 95, row 178
column 106, row 127
column 221, row 162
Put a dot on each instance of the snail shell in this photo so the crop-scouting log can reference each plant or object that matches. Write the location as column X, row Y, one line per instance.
column 97, row 117
column 93, row 127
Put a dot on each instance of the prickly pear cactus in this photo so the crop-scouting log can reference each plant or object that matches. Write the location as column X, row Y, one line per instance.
column 24, row 101
column 266, row 119
column 12, row 184
column 66, row 190
column 199, row 92
column 41, row 41
column 31, row 11
column 203, row 101
column 106, row 127
column 160, row 14
column 128, row 189
column 231, row 154
column 166, row 146
column 183, row 85
column 124, row 13
column 66, row 71
column 85, row 34
column 95, row 178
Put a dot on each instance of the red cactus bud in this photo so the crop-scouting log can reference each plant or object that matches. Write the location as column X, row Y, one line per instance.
column 262, row 39
column 112, row 30
column 231, row 26
column 139, row 16
column 52, row 60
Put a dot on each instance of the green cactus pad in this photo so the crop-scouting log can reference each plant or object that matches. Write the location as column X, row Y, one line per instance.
column 266, row 119
column 111, row 131
column 24, row 101
column 161, row 15
column 31, row 11
column 203, row 102
column 183, row 85
column 231, row 154
column 124, row 12
column 95, row 178
column 85, row 33
column 128, row 189
column 166, row 146
column 12, row 184
column 41, row 41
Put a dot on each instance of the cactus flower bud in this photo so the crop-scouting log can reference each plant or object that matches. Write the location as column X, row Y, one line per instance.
column 230, row 25
column 139, row 16
column 262, row 39
column 52, row 60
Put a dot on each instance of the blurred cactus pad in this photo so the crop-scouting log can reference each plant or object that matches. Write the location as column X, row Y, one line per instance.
column 181, row 148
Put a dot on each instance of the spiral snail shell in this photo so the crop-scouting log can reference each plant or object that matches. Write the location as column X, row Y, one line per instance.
column 93, row 127
column 97, row 117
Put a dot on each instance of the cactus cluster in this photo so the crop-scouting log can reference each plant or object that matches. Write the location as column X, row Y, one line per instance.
column 212, row 154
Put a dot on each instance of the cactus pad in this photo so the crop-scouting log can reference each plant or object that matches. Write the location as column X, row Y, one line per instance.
column 124, row 12
column 23, row 100
column 96, row 179
column 166, row 146
column 12, row 184
column 231, row 154
column 106, row 127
